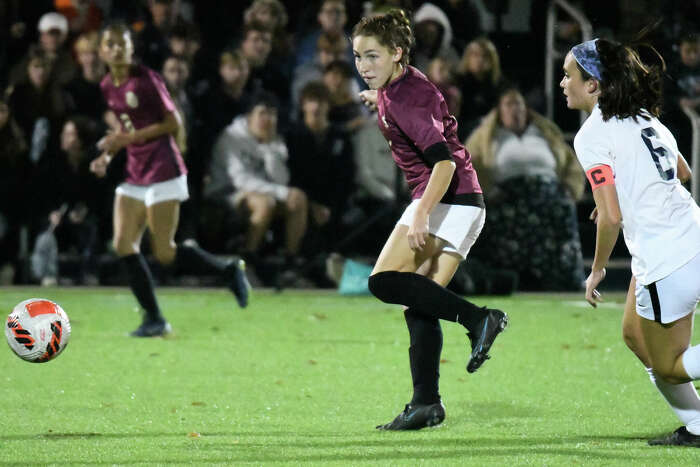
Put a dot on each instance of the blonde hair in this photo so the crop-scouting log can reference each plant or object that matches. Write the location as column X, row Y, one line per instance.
column 276, row 8
column 492, row 57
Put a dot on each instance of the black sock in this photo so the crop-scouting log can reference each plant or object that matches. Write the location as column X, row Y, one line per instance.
column 424, row 296
column 141, row 283
column 189, row 257
column 424, row 355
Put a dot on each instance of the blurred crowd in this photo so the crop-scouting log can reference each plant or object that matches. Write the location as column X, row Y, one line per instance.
column 281, row 154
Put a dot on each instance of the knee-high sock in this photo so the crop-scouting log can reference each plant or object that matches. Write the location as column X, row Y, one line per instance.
column 425, row 296
column 191, row 258
column 424, row 355
column 691, row 361
column 683, row 400
column 141, row 283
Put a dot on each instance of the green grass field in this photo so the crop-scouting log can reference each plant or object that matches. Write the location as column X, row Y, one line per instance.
column 303, row 378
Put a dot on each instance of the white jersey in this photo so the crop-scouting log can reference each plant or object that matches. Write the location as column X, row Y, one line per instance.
column 660, row 220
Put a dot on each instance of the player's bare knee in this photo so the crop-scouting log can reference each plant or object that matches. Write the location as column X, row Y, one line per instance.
column 667, row 373
column 165, row 255
column 123, row 246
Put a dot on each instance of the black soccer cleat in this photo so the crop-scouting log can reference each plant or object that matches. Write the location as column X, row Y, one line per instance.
column 490, row 327
column 238, row 282
column 152, row 329
column 416, row 416
column 680, row 437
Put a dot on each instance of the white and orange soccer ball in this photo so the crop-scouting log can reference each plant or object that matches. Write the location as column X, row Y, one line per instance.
column 37, row 330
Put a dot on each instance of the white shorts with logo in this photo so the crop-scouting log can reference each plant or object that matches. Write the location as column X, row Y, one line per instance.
column 458, row 225
column 673, row 297
column 175, row 188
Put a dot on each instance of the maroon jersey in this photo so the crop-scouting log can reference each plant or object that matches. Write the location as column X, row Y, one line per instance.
column 140, row 101
column 413, row 116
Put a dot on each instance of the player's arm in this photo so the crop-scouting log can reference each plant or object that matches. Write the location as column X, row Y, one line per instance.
column 684, row 172
column 609, row 221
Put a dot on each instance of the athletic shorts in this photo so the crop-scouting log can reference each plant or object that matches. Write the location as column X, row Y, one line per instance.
column 175, row 188
column 673, row 297
column 458, row 225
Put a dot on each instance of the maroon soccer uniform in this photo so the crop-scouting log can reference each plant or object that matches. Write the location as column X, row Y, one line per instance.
column 413, row 116
column 139, row 102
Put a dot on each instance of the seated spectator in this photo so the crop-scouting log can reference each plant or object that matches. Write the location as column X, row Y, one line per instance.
column 14, row 173
column 684, row 92
column 531, row 179
column 76, row 203
column 433, row 37
column 249, row 174
column 330, row 48
column 440, row 73
column 321, row 160
column 83, row 91
column 479, row 78
column 151, row 40
column 175, row 73
column 38, row 105
column 53, row 32
column 332, row 18
column 345, row 110
column 273, row 15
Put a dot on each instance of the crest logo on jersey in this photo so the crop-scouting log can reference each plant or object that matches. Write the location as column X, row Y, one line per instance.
column 386, row 125
column 131, row 99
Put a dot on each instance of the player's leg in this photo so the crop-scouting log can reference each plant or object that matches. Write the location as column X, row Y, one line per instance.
column 129, row 225
column 162, row 219
column 682, row 398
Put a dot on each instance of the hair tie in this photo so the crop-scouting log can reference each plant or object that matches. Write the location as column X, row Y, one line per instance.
column 586, row 55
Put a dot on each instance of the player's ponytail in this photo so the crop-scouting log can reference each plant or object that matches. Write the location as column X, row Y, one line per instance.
column 632, row 79
column 392, row 29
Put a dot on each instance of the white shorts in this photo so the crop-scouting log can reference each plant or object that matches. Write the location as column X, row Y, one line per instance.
column 458, row 225
column 673, row 297
column 175, row 188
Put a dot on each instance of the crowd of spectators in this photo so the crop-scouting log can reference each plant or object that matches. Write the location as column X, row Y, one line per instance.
column 284, row 162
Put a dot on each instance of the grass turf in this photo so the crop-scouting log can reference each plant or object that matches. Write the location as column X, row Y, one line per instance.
column 304, row 377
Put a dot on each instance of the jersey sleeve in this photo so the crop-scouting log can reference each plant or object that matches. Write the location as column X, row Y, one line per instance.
column 592, row 150
column 421, row 119
column 161, row 91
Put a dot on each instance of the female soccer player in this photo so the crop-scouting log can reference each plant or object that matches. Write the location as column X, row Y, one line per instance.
column 440, row 225
column 156, row 181
column 634, row 166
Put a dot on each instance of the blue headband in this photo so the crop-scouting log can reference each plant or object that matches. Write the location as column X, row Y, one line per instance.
column 587, row 56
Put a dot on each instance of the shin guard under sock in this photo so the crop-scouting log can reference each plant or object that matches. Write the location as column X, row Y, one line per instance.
column 425, row 296
column 141, row 283
column 424, row 356
column 189, row 257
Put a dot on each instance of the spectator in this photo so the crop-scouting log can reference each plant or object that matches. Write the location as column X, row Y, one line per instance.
column 345, row 110
column 53, row 32
column 433, row 37
column 83, row 91
column 321, row 160
column 464, row 18
column 38, row 105
column 331, row 47
column 14, row 173
column 249, row 174
column 440, row 73
column 75, row 201
column 83, row 15
column 684, row 90
column 273, row 15
column 152, row 41
column 479, row 78
column 531, row 180
column 331, row 17
column 175, row 73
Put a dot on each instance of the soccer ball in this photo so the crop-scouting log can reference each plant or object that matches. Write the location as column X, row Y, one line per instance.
column 37, row 330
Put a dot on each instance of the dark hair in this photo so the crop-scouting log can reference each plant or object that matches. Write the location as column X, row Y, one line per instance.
column 630, row 83
column 86, row 128
column 115, row 28
column 391, row 30
column 690, row 37
column 255, row 25
column 264, row 98
column 315, row 91
column 341, row 67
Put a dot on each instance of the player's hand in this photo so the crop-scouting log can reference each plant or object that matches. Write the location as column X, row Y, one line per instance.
column 418, row 232
column 369, row 98
column 113, row 142
column 594, row 215
column 592, row 295
column 98, row 166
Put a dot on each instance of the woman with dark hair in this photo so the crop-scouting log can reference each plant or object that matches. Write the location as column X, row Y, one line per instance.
column 635, row 170
column 531, row 181
column 437, row 230
column 156, row 180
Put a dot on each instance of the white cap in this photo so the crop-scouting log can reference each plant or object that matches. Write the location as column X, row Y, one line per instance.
column 53, row 20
